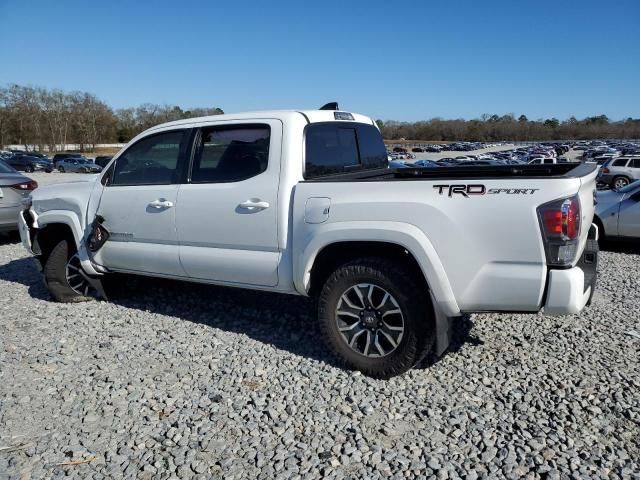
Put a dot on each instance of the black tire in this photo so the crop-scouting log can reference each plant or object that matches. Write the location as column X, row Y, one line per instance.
column 620, row 182
column 28, row 169
column 55, row 277
column 412, row 299
column 61, row 169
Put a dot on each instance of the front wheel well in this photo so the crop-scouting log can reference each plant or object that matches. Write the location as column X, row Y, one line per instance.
column 49, row 236
column 333, row 256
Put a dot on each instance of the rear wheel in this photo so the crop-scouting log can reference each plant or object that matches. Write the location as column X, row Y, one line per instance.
column 66, row 280
column 620, row 182
column 28, row 169
column 376, row 318
column 61, row 169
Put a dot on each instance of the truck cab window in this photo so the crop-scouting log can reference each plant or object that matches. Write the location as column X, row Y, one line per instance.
column 231, row 154
column 151, row 161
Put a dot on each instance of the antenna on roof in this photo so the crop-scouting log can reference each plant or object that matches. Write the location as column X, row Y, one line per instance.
column 330, row 106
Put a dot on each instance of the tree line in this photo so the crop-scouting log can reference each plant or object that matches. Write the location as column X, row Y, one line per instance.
column 507, row 127
column 39, row 117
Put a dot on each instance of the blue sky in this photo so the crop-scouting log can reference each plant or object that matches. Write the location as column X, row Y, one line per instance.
column 402, row 60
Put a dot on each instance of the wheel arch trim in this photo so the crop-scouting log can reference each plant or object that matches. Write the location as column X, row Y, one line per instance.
column 404, row 235
column 52, row 217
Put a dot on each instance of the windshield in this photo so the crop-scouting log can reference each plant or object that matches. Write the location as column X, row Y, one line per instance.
column 4, row 168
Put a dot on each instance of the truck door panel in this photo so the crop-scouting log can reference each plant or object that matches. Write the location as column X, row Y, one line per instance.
column 226, row 214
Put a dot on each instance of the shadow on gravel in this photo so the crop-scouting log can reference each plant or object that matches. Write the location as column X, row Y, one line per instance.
column 632, row 247
column 460, row 336
column 24, row 271
column 9, row 238
column 286, row 322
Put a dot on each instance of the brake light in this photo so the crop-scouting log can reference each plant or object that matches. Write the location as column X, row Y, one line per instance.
column 560, row 222
column 26, row 186
column 605, row 170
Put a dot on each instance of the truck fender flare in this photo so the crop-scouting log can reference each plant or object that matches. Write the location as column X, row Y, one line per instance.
column 405, row 235
column 73, row 222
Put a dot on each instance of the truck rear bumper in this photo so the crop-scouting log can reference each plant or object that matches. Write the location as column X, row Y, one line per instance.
column 570, row 290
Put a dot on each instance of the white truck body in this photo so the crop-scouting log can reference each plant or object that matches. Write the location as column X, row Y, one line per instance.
column 476, row 238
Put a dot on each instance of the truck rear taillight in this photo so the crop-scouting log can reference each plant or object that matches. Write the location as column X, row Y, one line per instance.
column 26, row 186
column 560, row 224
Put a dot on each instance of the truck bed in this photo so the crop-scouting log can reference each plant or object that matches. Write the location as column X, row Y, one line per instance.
column 560, row 170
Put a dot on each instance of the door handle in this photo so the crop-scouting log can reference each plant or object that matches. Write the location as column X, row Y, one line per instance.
column 161, row 204
column 254, row 204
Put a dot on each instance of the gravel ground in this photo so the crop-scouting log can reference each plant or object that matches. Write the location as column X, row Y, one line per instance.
column 189, row 381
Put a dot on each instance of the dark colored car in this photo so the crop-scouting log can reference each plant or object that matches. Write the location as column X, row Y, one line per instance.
column 417, row 150
column 63, row 156
column 78, row 165
column 27, row 163
column 103, row 160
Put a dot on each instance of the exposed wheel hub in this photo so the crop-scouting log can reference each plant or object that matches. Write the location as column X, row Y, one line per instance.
column 369, row 320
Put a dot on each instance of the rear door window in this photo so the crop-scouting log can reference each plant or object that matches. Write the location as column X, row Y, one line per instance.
column 635, row 163
column 620, row 162
column 231, row 154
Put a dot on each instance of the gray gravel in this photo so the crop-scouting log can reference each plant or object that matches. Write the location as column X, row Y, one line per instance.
column 188, row 381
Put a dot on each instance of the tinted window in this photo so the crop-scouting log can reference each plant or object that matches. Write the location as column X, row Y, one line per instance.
column 635, row 163
column 621, row 162
column 151, row 161
column 231, row 154
column 338, row 147
column 373, row 153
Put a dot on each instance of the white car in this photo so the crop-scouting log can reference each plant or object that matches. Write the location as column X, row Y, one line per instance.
column 302, row 202
column 543, row 161
column 618, row 212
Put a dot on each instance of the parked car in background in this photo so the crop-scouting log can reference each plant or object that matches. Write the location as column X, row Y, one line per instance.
column 14, row 188
column 103, row 160
column 617, row 212
column 543, row 161
column 78, row 166
column 27, row 163
column 426, row 163
column 58, row 157
column 620, row 172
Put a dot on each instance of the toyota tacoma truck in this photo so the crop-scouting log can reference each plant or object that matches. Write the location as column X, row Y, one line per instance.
column 303, row 202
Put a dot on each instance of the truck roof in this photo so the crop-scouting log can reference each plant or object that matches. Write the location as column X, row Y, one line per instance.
column 312, row 116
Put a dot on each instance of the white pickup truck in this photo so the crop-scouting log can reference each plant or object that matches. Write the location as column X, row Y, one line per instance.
column 302, row 202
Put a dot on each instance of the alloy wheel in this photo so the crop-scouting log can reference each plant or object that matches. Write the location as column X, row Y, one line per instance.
column 370, row 320
column 621, row 183
column 76, row 278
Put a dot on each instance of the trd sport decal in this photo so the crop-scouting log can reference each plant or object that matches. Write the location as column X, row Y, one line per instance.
column 478, row 189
